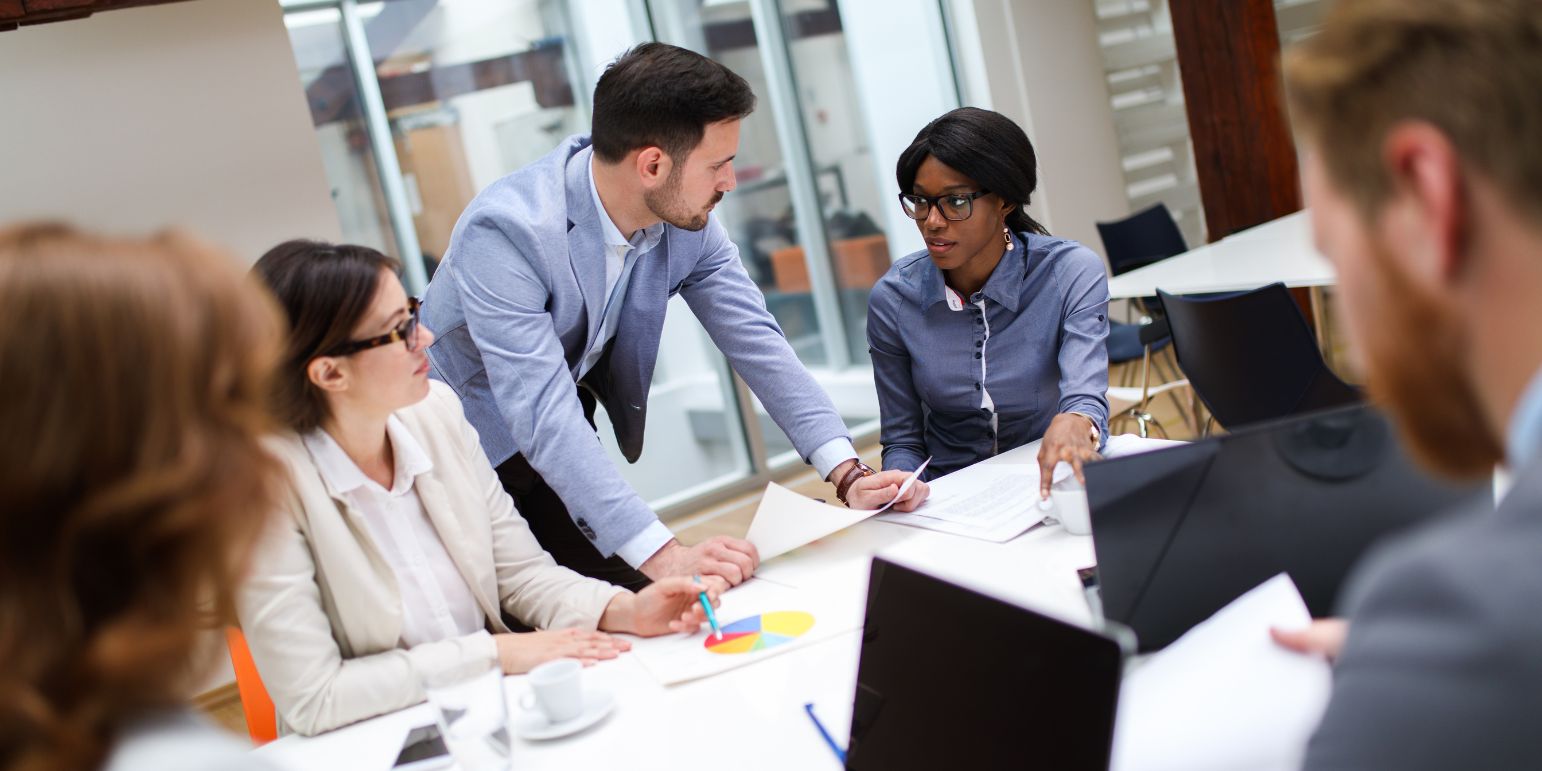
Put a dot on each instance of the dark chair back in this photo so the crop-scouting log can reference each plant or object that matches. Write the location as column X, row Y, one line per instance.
column 1142, row 238
column 1250, row 356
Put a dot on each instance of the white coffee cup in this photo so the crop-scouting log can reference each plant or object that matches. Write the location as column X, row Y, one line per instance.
column 556, row 689
column 1070, row 508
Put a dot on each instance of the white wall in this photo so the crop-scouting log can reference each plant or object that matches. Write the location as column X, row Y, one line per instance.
column 1038, row 62
column 187, row 114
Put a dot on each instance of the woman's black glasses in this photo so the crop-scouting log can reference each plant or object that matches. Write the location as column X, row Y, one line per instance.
column 955, row 206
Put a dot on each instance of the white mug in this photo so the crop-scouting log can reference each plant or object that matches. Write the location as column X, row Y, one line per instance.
column 1070, row 508
column 556, row 689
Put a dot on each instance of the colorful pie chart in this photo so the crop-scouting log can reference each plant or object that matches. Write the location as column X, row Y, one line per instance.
column 758, row 633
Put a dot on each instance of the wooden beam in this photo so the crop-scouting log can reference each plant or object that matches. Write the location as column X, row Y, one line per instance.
column 1245, row 158
column 11, row 12
column 543, row 67
column 28, row 12
column 331, row 94
column 730, row 35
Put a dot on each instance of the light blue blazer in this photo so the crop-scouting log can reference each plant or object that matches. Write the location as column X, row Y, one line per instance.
column 519, row 296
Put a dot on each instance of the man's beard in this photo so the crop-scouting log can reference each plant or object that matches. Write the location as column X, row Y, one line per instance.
column 668, row 204
column 1417, row 370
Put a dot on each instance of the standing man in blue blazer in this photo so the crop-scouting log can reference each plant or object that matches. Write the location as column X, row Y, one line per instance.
column 552, row 296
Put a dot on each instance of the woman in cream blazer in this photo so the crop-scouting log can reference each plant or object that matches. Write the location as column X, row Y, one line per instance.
column 398, row 553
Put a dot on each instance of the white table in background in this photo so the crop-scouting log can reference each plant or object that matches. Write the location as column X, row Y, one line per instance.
column 1280, row 250
column 751, row 717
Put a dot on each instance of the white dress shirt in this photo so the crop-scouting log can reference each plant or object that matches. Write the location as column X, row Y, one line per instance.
column 436, row 602
column 620, row 255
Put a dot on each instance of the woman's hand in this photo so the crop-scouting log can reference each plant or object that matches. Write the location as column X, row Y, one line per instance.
column 1069, row 439
column 521, row 652
column 876, row 490
column 667, row 605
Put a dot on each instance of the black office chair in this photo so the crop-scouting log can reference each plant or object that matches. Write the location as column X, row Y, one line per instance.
column 1147, row 236
column 1251, row 357
column 1134, row 404
column 1140, row 239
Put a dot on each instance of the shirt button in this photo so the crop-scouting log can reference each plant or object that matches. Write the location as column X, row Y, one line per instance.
column 979, row 343
column 977, row 354
column 976, row 386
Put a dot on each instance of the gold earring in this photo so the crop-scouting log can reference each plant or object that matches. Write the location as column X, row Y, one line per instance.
column 1006, row 235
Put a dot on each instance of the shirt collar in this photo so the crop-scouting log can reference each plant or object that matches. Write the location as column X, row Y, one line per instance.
column 643, row 240
column 1523, row 440
column 343, row 475
column 1005, row 285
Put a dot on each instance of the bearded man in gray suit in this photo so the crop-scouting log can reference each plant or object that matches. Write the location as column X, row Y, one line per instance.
column 552, row 295
column 1422, row 137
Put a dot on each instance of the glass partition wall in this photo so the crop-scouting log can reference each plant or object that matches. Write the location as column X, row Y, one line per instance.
column 419, row 104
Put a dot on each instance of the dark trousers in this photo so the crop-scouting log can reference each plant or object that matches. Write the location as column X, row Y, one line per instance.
column 553, row 526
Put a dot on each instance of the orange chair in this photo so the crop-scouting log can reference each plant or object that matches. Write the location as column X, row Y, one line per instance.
column 261, row 719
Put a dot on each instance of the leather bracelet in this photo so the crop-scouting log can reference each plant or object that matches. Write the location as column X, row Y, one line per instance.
column 857, row 472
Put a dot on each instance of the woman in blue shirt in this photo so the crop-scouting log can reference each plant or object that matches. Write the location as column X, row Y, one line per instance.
column 994, row 336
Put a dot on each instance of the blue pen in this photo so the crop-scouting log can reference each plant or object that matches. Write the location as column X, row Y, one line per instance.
column 706, row 605
column 830, row 740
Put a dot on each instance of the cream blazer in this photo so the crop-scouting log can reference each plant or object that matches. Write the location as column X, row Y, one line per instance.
column 321, row 609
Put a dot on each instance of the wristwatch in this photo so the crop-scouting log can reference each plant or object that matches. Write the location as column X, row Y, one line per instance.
column 857, row 472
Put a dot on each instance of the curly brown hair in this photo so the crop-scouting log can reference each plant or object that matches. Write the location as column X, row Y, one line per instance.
column 134, row 380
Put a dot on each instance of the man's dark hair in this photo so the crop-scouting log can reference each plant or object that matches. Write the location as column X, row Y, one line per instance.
column 984, row 146
column 659, row 95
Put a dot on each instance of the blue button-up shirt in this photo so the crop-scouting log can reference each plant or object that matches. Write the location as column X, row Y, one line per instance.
column 962, row 379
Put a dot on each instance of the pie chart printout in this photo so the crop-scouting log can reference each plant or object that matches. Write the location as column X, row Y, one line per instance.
column 758, row 633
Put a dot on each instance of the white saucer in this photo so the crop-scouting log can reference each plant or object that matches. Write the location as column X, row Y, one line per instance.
column 531, row 724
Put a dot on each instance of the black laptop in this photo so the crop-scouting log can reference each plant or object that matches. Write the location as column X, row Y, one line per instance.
column 951, row 678
column 1181, row 532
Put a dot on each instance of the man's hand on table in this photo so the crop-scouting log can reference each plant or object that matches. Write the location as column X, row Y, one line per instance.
column 872, row 492
column 718, row 559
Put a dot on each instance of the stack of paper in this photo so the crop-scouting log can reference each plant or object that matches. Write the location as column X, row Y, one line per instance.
column 1225, row 696
column 787, row 520
column 990, row 501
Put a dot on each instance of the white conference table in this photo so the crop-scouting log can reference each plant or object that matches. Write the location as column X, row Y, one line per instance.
column 753, row 717
column 1279, row 250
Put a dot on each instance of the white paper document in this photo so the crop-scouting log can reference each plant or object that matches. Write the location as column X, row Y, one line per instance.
column 786, row 520
column 759, row 619
column 1225, row 696
column 990, row 501
column 1121, row 445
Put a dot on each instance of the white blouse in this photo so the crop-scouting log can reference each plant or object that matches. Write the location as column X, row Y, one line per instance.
column 437, row 604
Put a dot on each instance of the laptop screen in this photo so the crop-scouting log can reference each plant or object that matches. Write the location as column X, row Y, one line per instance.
column 1181, row 532
column 950, row 678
